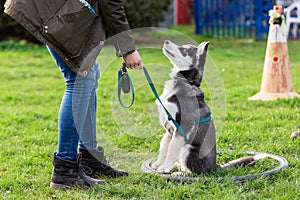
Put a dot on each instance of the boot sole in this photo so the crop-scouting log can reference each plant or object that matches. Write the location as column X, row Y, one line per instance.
column 64, row 187
column 59, row 186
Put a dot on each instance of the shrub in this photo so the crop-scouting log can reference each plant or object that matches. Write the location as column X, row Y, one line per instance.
column 145, row 13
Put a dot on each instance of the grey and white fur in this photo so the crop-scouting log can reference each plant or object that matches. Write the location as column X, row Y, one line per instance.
column 183, row 98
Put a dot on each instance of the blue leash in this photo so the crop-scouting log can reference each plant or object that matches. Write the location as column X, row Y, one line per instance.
column 170, row 118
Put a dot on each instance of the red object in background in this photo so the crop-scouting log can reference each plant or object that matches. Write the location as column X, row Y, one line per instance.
column 183, row 9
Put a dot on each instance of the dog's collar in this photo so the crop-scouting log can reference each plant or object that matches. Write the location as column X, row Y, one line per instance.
column 205, row 119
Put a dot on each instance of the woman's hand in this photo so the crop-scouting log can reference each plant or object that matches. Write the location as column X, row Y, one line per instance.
column 133, row 60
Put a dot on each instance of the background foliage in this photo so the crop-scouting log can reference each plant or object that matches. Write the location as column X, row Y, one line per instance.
column 8, row 27
column 139, row 14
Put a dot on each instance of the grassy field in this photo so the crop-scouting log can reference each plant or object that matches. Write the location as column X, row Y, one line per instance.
column 30, row 93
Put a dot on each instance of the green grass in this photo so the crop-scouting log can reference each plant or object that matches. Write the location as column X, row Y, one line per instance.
column 31, row 89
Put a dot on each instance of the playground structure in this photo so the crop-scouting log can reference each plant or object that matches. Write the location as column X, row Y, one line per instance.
column 232, row 18
column 293, row 18
column 241, row 18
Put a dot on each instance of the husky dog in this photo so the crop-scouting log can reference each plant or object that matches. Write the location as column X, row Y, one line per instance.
column 185, row 102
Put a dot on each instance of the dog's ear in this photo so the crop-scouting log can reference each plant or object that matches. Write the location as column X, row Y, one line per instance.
column 202, row 48
column 201, row 54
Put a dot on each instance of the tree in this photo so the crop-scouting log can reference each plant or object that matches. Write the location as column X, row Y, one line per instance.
column 145, row 13
column 11, row 29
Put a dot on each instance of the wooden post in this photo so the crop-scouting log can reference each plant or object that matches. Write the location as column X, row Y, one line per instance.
column 277, row 78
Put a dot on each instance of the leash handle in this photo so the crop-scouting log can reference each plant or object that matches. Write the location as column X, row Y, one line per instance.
column 125, row 85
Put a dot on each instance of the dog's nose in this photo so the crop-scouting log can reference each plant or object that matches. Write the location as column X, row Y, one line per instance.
column 167, row 42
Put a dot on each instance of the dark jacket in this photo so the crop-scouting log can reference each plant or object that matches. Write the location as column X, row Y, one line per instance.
column 72, row 30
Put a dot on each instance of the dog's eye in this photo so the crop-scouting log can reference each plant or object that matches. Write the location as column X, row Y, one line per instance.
column 183, row 51
column 188, row 51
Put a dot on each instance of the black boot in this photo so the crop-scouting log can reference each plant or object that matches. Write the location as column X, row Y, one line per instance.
column 95, row 164
column 67, row 174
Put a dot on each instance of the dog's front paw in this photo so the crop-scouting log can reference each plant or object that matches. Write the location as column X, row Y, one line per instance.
column 164, row 168
column 156, row 164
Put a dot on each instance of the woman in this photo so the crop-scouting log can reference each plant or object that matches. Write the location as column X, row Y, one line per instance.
column 74, row 32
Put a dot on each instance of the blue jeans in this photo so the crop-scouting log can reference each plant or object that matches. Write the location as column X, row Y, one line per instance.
column 77, row 114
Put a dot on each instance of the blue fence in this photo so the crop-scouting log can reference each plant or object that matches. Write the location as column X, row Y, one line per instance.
column 232, row 18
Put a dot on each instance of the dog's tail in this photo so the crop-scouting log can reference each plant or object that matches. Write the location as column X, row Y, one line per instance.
column 243, row 161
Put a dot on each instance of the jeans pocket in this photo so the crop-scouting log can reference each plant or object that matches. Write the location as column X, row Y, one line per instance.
column 71, row 31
